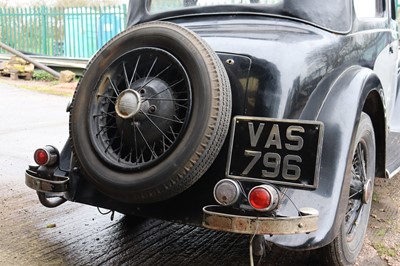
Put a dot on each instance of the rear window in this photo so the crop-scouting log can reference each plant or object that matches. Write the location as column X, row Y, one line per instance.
column 157, row 6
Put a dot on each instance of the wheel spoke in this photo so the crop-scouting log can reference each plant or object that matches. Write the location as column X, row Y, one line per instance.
column 111, row 141
column 105, row 127
column 135, row 141
column 356, row 193
column 110, row 98
column 173, row 133
column 177, row 118
column 157, row 127
column 171, row 100
column 359, row 176
column 164, row 145
column 181, row 106
column 169, row 87
column 134, row 71
column 356, row 188
column 105, row 114
column 152, row 155
column 156, row 76
column 113, row 86
column 121, row 146
column 147, row 144
column 151, row 69
column 362, row 164
column 165, row 118
column 354, row 222
column 128, row 155
column 126, row 76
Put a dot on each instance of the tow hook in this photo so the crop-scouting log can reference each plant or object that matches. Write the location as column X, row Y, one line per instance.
column 54, row 202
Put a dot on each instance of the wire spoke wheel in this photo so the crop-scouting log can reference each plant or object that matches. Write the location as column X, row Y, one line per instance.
column 141, row 109
column 360, row 189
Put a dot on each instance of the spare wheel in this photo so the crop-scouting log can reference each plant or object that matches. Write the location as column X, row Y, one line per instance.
column 150, row 114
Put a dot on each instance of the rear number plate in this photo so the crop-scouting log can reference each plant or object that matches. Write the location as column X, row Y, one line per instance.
column 285, row 152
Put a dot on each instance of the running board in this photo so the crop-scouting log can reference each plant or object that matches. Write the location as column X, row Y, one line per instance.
column 393, row 154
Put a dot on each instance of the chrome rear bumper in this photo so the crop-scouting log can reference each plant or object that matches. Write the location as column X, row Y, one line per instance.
column 214, row 217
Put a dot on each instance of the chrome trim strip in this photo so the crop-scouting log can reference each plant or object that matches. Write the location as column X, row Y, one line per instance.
column 214, row 218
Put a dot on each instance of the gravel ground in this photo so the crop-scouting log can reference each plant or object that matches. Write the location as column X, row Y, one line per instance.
column 383, row 235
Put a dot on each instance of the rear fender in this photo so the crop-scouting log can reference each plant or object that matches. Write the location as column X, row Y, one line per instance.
column 341, row 96
column 395, row 122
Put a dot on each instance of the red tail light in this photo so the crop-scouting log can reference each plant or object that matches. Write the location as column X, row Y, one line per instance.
column 263, row 198
column 46, row 156
column 41, row 157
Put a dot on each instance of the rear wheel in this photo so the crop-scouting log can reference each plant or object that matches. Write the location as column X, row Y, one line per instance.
column 150, row 113
column 347, row 245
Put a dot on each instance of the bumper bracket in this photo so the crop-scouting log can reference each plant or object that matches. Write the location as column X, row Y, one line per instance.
column 51, row 193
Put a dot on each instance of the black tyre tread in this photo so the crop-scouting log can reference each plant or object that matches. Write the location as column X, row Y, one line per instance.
column 218, row 122
column 219, row 132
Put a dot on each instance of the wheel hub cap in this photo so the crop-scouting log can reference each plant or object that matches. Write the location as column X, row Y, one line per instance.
column 128, row 104
column 367, row 192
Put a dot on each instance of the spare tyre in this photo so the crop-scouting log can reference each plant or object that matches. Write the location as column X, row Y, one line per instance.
column 150, row 113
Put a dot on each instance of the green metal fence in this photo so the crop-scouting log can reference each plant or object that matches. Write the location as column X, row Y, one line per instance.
column 69, row 32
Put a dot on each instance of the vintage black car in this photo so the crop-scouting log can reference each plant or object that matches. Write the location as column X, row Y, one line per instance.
column 268, row 118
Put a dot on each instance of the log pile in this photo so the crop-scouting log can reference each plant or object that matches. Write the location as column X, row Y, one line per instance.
column 16, row 68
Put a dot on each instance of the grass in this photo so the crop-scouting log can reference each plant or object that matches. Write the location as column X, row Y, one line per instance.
column 381, row 232
column 43, row 76
column 375, row 197
column 45, row 89
column 383, row 250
